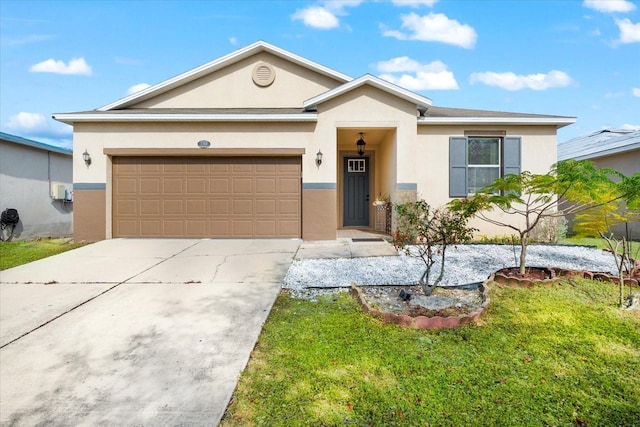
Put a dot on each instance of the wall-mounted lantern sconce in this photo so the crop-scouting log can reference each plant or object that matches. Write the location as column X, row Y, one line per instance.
column 360, row 144
column 319, row 158
column 86, row 157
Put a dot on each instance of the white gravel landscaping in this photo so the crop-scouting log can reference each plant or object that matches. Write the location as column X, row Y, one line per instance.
column 465, row 264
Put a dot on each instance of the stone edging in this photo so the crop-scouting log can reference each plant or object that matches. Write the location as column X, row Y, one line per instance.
column 556, row 275
column 424, row 322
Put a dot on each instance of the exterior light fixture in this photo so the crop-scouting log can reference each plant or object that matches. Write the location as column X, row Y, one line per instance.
column 319, row 158
column 360, row 144
column 86, row 157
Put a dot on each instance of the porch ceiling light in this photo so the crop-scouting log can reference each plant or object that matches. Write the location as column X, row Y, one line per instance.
column 86, row 157
column 319, row 158
column 360, row 144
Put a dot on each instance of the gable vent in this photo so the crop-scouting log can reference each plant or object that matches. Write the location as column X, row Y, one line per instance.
column 263, row 74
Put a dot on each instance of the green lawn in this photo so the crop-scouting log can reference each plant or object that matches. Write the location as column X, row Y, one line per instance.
column 13, row 254
column 562, row 356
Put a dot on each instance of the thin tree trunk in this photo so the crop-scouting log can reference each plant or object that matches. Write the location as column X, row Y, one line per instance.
column 523, row 252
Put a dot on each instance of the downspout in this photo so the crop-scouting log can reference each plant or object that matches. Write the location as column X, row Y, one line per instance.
column 49, row 172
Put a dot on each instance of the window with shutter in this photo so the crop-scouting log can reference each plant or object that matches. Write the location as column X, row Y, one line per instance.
column 475, row 162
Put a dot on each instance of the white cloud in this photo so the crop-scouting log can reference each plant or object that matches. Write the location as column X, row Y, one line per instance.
column 414, row 3
column 77, row 66
column 35, row 125
column 416, row 76
column 137, row 88
column 628, row 126
column 435, row 27
column 316, row 17
column 629, row 32
column 609, row 6
column 233, row 40
column 636, row 91
column 512, row 81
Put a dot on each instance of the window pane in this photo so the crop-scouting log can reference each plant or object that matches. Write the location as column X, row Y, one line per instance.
column 480, row 177
column 484, row 151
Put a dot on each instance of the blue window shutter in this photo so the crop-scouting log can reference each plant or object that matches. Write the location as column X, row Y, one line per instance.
column 512, row 155
column 457, row 166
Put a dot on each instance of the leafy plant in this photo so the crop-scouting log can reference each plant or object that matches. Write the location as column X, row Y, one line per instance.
column 598, row 220
column 570, row 186
column 425, row 233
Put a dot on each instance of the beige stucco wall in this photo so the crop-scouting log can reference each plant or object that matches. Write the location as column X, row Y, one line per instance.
column 233, row 87
column 538, row 154
column 26, row 177
column 628, row 164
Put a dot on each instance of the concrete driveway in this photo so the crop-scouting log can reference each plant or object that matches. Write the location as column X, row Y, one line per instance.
column 134, row 331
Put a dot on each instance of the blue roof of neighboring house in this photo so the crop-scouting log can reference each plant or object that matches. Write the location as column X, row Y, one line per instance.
column 599, row 144
column 34, row 144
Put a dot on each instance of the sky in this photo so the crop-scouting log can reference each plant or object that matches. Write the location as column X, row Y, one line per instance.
column 578, row 58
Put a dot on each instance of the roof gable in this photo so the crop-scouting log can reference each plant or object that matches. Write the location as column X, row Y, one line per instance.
column 218, row 64
column 422, row 103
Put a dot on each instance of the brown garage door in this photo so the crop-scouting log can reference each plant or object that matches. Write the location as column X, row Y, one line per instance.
column 206, row 196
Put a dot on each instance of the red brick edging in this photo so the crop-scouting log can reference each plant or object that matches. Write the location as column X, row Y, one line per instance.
column 439, row 322
column 424, row 322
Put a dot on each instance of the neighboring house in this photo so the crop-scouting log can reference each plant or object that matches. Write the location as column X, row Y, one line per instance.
column 617, row 149
column 263, row 143
column 36, row 179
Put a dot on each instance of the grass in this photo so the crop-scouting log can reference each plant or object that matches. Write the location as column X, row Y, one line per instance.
column 13, row 254
column 561, row 356
column 597, row 242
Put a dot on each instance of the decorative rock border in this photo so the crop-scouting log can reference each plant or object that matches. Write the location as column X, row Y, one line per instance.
column 424, row 322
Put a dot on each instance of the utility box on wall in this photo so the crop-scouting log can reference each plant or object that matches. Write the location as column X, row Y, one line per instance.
column 58, row 192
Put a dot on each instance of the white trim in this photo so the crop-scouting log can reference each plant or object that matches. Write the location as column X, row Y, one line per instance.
column 88, row 117
column 422, row 103
column 563, row 121
column 224, row 61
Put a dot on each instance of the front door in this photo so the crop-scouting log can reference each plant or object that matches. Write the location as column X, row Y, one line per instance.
column 356, row 192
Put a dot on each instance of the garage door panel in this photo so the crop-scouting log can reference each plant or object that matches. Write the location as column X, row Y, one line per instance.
column 219, row 185
column 196, row 207
column 242, row 207
column 173, row 207
column 150, row 185
column 289, row 186
column 242, row 186
column 206, row 197
column 242, row 228
column 220, row 207
column 127, row 186
column 266, row 186
column 196, row 185
column 172, row 185
column 196, row 228
column 266, row 228
column 126, row 207
column 289, row 228
column 265, row 207
column 150, row 228
column 289, row 207
column 150, row 207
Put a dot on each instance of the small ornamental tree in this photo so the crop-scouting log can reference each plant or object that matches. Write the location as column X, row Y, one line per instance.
column 599, row 220
column 425, row 233
column 570, row 187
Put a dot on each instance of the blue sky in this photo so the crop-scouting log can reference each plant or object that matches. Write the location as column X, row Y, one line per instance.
column 571, row 58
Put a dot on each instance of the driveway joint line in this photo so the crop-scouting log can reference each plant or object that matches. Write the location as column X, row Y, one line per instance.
column 94, row 297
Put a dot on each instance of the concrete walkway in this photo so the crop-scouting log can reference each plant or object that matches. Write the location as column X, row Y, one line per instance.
column 134, row 332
